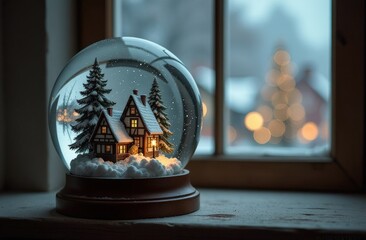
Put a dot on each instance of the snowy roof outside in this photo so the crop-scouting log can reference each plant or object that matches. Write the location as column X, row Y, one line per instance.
column 117, row 128
column 147, row 116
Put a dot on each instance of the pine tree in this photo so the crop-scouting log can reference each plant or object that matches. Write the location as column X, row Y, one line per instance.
column 92, row 103
column 158, row 109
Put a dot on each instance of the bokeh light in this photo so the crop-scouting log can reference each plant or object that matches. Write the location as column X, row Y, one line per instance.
column 281, row 57
column 262, row 135
column 296, row 112
column 280, row 112
column 286, row 83
column 309, row 131
column 253, row 121
column 277, row 128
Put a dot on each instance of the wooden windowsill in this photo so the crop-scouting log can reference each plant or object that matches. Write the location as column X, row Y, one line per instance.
column 224, row 214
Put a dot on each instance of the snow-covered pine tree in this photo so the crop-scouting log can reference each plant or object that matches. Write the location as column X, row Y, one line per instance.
column 158, row 109
column 92, row 103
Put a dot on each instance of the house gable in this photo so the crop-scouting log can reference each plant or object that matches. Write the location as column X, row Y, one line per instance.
column 142, row 112
column 102, row 131
column 110, row 127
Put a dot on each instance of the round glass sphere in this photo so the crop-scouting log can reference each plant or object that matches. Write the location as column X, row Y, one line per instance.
column 125, row 107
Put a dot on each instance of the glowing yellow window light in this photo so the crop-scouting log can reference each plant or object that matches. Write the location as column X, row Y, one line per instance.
column 253, row 121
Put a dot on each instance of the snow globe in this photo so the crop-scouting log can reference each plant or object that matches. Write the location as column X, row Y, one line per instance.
column 125, row 117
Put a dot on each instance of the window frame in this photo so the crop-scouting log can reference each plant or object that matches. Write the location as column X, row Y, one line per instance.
column 344, row 169
column 134, row 123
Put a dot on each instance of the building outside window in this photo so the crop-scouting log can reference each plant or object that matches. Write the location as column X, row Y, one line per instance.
column 104, row 129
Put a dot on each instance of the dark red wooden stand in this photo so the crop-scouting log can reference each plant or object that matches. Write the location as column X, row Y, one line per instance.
column 111, row 198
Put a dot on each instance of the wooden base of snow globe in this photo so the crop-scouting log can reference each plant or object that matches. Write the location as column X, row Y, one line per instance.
column 110, row 198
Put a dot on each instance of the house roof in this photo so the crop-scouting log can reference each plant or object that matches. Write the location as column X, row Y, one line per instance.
column 147, row 116
column 117, row 128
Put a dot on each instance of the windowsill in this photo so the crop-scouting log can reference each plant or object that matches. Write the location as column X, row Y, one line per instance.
column 223, row 214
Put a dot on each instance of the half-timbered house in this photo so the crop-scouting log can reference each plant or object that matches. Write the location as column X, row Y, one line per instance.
column 117, row 131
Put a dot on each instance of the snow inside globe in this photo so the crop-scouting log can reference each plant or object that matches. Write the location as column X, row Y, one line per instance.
column 125, row 108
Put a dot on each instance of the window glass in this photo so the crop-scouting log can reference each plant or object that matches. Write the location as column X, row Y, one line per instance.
column 278, row 77
column 134, row 123
column 184, row 27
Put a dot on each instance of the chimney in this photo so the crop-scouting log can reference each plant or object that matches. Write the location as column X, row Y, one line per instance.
column 143, row 99
column 135, row 91
column 110, row 111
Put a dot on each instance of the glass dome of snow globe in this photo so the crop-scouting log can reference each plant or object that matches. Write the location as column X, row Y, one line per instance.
column 125, row 108
column 125, row 118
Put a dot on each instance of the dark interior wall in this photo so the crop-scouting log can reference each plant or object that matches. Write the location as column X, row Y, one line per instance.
column 1, row 106
column 38, row 38
column 24, row 82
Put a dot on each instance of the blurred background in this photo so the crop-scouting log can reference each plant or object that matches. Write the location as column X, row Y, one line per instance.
column 277, row 74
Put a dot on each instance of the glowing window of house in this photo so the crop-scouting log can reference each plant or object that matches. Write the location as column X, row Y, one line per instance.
column 137, row 141
column 149, row 139
column 104, row 129
column 132, row 110
column 134, row 123
column 122, row 149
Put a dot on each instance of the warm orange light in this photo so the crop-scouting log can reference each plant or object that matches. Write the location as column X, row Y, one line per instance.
column 277, row 128
column 262, row 135
column 279, row 97
column 204, row 109
column 75, row 114
column 280, row 112
column 281, row 57
column 309, row 131
column 253, row 121
column 286, row 83
column 296, row 112
column 153, row 142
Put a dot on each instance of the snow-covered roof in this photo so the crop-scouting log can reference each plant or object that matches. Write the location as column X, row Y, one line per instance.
column 147, row 116
column 117, row 128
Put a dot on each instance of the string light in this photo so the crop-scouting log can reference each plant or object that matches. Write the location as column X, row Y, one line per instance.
column 253, row 121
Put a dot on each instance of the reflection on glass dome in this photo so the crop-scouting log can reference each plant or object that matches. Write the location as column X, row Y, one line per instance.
column 127, row 108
